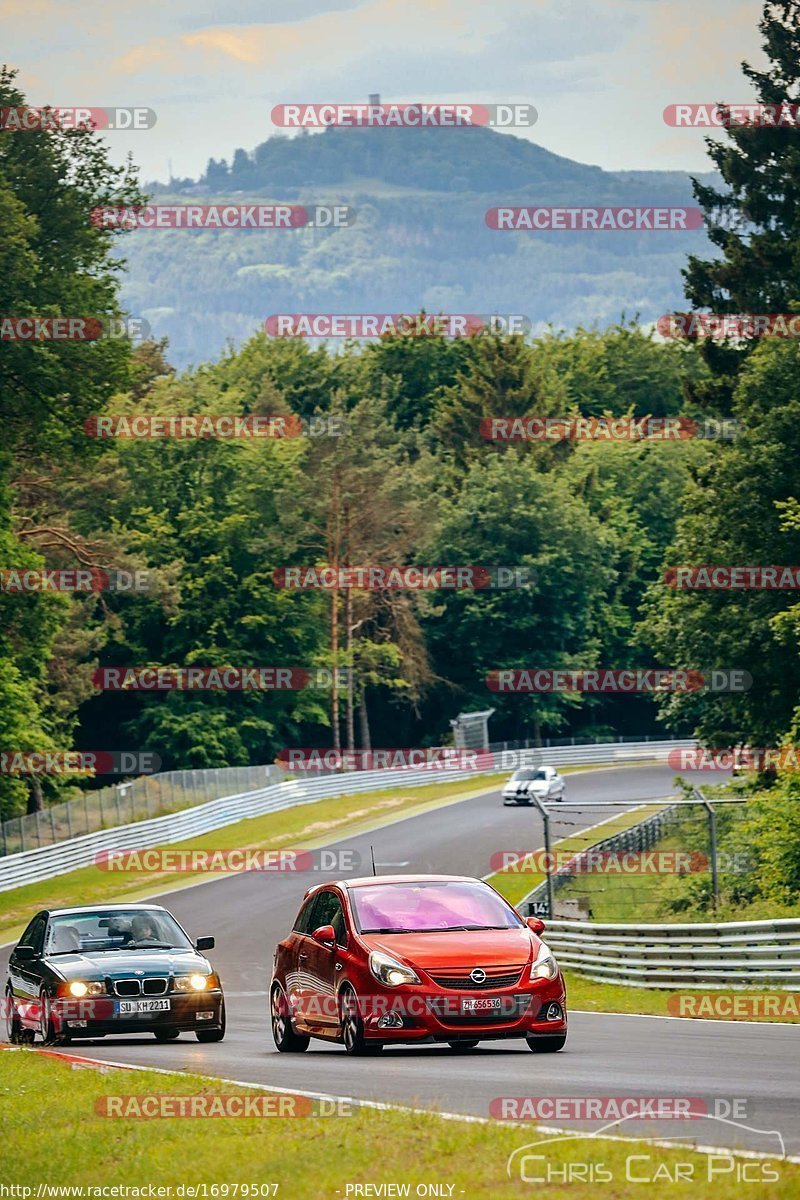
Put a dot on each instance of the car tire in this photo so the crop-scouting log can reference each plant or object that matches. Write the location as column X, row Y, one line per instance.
column 14, row 1030
column 213, row 1035
column 47, row 1026
column 464, row 1045
column 284, row 1037
column 353, row 1027
column 166, row 1035
column 540, row 1044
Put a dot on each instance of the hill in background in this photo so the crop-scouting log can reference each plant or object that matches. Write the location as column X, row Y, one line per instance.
column 420, row 239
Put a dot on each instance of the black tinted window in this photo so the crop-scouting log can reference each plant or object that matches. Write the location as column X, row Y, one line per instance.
column 303, row 922
column 34, row 934
column 328, row 911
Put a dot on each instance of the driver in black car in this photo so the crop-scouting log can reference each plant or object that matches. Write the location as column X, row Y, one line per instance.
column 144, row 931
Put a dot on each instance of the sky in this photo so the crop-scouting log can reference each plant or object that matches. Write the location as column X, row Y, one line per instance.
column 599, row 72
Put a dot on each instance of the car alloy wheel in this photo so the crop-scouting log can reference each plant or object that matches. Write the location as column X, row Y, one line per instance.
column 285, row 1038
column 543, row 1044
column 47, row 1026
column 353, row 1027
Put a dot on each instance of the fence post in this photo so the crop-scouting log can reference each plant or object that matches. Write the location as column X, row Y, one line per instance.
column 712, row 840
column 69, row 818
column 545, row 815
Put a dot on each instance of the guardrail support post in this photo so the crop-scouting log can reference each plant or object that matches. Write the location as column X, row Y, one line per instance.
column 712, row 841
column 545, row 815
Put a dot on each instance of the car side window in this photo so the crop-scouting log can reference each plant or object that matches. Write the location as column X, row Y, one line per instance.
column 328, row 911
column 34, row 934
column 303, row 922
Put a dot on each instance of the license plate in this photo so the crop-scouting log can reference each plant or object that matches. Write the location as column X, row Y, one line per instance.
column 481, row 1004
column 125, row 1008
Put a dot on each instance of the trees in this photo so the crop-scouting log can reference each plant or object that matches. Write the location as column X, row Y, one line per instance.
column 53, row 262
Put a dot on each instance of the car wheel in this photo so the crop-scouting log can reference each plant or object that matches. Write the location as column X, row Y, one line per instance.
column 166, row 1035
column 463, row 1045
column 14, row 1030
column 213, row 1035
column 546, row 1045
column 285, row 1038
column 353, row 1027
column 47, row 1026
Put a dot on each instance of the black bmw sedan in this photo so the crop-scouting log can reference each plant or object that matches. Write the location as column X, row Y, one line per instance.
column 107, row 969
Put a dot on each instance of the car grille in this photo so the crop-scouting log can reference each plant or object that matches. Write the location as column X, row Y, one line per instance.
column 496, row 977
column 140, row 987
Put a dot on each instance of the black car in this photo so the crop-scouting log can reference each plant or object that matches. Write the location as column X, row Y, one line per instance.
column 122, row 968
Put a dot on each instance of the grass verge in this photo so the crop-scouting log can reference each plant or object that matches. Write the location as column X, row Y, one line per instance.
column 589, row 996
column 308, row 1157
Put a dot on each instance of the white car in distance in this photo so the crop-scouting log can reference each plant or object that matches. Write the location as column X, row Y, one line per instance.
column 543, row 782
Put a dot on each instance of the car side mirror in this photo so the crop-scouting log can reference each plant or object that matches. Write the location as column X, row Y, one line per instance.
column 325, row 935
column 25, row 953
column 535, row 925
column 205, row 943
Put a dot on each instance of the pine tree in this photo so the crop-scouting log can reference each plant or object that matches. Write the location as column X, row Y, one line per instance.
column 755, row 221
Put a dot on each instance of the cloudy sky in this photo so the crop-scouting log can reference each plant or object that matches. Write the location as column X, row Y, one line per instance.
column 600, row 72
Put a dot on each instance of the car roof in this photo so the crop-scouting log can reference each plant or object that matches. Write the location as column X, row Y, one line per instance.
column 92, row 908
column 371, row 880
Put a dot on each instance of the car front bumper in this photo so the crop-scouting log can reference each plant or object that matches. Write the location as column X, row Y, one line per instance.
column 419, row 1015
column 100, row 1015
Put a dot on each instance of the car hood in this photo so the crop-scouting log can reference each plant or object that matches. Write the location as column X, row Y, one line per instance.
column 117, row 964
column 492, row 948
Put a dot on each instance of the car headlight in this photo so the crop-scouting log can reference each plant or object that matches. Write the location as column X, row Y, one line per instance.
column 79, row 989
column 191, row 983
column 389, row 971
column 544, row 966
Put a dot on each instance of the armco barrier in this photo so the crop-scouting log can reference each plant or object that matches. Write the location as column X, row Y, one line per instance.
column 731, row 954
column 32, row 866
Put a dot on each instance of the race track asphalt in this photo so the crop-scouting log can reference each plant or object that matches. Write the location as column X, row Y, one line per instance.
column 606, row 1054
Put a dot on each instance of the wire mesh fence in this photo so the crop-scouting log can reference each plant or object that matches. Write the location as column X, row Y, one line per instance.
column 134, row 800
column 660, row 868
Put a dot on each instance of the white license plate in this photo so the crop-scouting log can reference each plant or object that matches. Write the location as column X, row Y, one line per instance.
column 127, row 1007
column 482, row 1004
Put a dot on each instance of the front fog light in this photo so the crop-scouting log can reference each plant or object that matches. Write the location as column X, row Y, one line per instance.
column 544, row 966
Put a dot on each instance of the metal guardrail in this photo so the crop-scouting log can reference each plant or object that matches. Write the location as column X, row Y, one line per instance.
column 32, row 866
column 731, row 954
column 171, row 791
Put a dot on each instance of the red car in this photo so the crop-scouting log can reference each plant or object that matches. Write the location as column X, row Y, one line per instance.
column 414, row 959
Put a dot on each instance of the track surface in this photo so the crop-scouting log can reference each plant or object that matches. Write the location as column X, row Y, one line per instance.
column 606, row 1055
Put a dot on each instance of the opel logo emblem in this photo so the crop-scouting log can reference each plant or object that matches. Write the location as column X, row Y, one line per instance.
column 478, row 975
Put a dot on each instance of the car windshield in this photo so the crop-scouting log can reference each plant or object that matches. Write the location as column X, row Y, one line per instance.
column 531, row 774
column 430, row 908
column 114, row 929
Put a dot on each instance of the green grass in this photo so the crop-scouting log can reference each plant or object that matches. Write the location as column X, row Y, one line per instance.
column 52, row 1134
column 307, row 827
column 590, row 996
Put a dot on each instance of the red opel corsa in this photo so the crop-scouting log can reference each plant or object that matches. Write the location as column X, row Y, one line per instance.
column 414, row 959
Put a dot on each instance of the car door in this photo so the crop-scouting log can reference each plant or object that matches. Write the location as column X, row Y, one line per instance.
column 322, row 963
column 297, row 981
column 25, row 975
